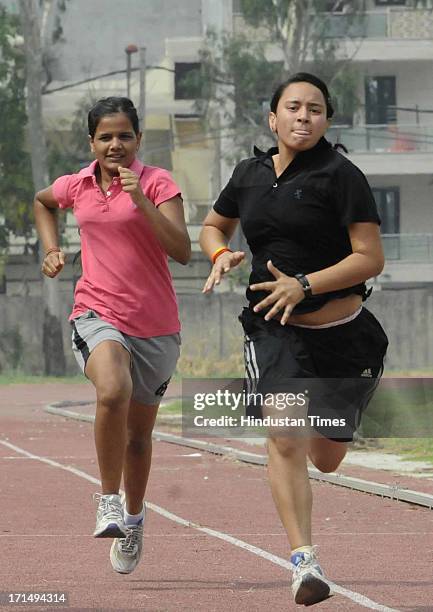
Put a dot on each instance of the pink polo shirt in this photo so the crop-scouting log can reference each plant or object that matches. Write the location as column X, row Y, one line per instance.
column 126, row 279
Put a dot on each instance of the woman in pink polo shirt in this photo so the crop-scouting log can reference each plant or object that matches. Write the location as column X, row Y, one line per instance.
column 125, row 318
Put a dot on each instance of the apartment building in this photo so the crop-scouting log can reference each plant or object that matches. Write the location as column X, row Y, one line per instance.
column 390, row 137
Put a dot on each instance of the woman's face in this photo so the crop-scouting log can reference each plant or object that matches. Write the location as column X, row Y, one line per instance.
column 115, row 143
column 300, row 119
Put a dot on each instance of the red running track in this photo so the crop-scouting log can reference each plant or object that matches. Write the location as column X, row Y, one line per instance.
column 378, row 551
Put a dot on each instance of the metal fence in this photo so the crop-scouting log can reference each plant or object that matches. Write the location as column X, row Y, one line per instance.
column 408, row 247
column 391, row 23
column 384, row 138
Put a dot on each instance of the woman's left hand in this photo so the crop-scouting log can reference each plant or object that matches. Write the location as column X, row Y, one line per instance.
column 286, row 292
column 131, row 184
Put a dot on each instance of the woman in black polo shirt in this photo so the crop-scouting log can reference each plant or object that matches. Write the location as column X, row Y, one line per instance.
column 311, row 223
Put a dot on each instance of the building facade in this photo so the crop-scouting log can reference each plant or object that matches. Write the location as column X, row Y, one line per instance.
column 390, row 137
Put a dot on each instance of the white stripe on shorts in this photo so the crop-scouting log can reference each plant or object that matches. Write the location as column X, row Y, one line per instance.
column 251, row 367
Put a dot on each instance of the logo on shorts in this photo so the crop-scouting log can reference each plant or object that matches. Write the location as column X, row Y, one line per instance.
column 367, row 373
column 163, row 388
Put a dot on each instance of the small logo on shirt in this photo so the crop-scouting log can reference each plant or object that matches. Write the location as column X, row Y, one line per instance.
column 367, row 373
column 298, row 194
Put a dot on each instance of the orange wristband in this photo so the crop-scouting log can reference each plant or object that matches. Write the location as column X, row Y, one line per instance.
column 219, row 252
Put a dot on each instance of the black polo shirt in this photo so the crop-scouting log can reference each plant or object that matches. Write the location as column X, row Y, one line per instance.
column 300, row 219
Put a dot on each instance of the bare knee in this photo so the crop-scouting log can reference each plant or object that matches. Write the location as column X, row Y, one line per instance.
column 139, row 445
column 114, row 394
column 286, row 446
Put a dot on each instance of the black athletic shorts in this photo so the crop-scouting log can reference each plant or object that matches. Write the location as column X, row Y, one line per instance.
column 343, row 365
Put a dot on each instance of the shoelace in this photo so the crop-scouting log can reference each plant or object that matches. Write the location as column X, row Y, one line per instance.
column 129, row 545
column 309, row 561
column 107, row 505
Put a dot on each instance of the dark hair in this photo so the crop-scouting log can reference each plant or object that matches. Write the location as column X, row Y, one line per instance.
column 303, row 77
column 110, row 106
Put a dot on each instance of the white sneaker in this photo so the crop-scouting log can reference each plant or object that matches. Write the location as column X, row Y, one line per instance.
column 109, row 517
column 309, row 585
column 125, row 553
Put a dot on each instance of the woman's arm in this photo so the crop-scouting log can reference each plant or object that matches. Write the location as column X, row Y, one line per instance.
column 366, row 261
column 216, row 233
column 45, row 210
column 167, row 221
column 168, row 224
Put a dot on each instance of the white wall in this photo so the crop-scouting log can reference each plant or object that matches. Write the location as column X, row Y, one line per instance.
column 416, row 200
column 414, row 85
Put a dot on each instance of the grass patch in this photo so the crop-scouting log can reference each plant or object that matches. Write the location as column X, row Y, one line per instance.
column 421, row 373
column 412, row 449
column 401, row 408
column 400, row 418
column 174, row 407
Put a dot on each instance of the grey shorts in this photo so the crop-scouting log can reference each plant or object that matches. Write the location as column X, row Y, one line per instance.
column 153, row 360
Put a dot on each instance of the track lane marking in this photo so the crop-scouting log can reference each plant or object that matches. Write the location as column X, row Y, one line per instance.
column 352, row 595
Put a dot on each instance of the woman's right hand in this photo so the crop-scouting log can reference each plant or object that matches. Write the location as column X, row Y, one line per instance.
column 53, row 263
column 224, row 263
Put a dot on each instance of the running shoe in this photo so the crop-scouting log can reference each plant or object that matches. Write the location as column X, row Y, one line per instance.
column 109, row 517
column 309, row 585
column 125, row 553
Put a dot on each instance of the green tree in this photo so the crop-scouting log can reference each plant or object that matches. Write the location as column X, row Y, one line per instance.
column 237, row 75
column 16, row 183
column 67, row 152
column 16, row 187
column 39, row 29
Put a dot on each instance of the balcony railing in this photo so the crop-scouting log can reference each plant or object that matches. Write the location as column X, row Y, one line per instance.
column 394, row 23
column 401, row 138
column 408, row 248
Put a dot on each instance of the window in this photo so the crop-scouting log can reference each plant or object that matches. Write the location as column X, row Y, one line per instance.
column 186, row 80
column 388, row 206
column 380, row 100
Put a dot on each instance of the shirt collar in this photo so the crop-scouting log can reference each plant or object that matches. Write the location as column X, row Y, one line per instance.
column 302, row 157
column 137, row 167
column 90, row 170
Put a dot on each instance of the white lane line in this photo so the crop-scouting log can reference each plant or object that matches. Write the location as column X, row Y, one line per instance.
column 189, row 535
column 49, row 457
column 352, row 595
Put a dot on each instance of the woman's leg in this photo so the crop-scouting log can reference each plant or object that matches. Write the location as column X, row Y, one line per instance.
column 125, row 553
column 290, row 486
column 326, row 455
column 291, row 490
column 108, row 367
column 141, row 420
